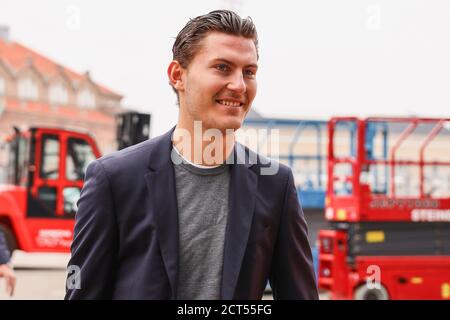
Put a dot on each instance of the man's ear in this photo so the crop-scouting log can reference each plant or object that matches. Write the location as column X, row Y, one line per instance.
column 175, row 72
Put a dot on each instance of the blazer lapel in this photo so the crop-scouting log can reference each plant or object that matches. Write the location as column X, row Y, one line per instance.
column 163, row 204
column 243, row 186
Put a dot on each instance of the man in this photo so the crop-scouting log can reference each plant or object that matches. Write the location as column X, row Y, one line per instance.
column 181, row 217
column 5, row 270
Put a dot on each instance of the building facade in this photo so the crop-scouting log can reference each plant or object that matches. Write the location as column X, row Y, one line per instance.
column 37, row 91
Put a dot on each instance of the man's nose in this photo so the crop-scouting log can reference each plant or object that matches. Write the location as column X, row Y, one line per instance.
column 237, row 83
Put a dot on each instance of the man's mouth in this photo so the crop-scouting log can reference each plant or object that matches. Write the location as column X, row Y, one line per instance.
column 230, row 103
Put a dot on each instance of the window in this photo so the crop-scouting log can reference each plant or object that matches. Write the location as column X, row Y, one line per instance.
column 28, row 89
column 50, row 157
column 86, row 99
column 2, row 86
column 110, row 103
column 18, row 161
column 47, row 198
column 58, row 94
column 71, row 196
column 79, row 155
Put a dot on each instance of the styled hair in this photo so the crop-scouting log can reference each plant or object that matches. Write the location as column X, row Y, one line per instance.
column 187, row 42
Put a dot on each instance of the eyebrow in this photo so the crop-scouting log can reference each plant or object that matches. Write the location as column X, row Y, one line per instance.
column 253, row 65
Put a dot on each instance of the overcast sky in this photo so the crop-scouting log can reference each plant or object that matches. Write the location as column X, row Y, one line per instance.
column 317, row 58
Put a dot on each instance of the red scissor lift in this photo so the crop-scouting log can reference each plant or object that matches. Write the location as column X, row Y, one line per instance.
column 386, row 241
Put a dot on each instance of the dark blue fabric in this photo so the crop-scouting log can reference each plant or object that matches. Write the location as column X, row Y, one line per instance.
column 126, row 231
column 4, row 251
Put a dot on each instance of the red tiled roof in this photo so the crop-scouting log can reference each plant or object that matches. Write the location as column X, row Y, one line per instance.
column 17, row 56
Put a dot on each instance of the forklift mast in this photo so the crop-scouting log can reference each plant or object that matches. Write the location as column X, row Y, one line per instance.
column 132, row 128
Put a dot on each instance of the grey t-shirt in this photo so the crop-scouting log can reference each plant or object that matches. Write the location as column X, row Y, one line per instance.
column 202, row 196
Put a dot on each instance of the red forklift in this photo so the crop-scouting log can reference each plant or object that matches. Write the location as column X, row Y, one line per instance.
column 388, row 207
column 44, row 178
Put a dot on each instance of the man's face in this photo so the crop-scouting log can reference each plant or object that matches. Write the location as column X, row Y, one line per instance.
column 219, row 84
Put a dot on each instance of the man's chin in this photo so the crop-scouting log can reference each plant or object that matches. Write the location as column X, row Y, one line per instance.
column 235, row 125
column 225, row 124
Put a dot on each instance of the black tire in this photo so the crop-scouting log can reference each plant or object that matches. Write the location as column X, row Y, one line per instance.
column 10, row 239
column 364, row 293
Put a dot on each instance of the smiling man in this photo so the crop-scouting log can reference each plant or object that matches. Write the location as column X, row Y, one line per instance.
column 218, row 84
column 188, row 215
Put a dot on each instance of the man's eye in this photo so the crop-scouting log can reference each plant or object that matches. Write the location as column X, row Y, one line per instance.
column 222, row 67
column 249, row 73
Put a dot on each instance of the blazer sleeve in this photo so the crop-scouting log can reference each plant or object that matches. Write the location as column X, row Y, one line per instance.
column 91, row 269
column 292, row 274
column 4, row 251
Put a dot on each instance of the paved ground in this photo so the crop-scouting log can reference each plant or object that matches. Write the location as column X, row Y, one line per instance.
column 39, row 276
column 43, row 276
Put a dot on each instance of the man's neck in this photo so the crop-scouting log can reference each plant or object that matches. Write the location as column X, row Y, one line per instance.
column 203, row 146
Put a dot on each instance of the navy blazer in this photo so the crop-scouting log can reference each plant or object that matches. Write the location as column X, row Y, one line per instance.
column 126, row 231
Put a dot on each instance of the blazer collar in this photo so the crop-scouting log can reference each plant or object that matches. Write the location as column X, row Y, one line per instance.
column 242, row 195
column 160, row 182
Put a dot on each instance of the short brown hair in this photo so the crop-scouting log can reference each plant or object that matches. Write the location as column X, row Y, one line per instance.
column 187, row 42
